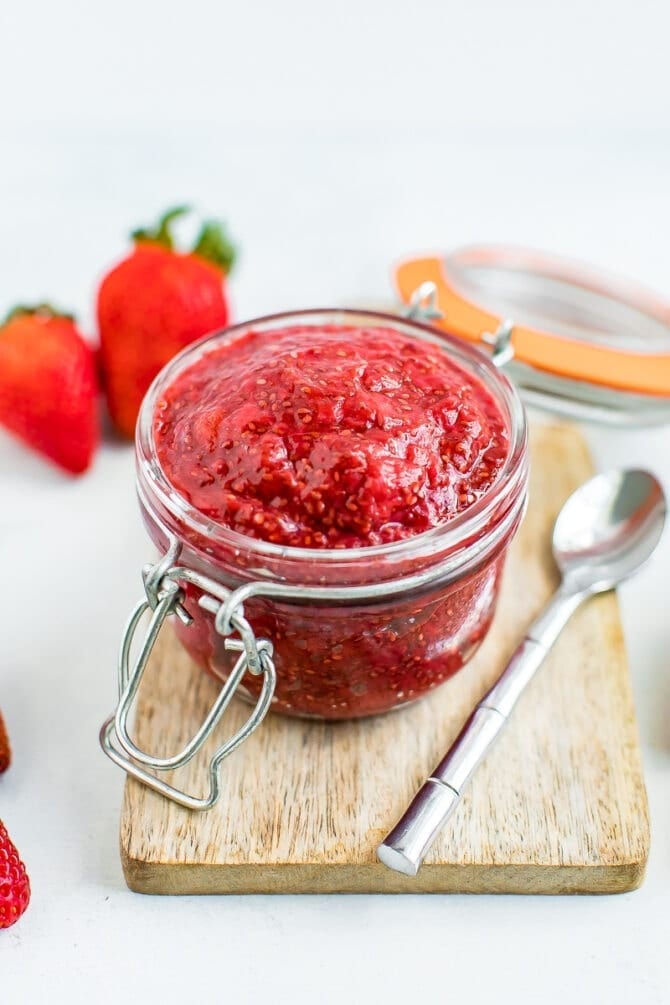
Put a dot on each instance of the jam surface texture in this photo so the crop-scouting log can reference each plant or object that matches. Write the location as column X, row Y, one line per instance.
column 329, row 437
column 334, row 437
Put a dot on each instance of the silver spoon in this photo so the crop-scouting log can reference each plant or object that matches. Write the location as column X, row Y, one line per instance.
column 603, row 534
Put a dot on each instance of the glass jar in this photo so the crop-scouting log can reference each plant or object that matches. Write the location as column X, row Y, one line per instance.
column 354, row 657
column 353, row 632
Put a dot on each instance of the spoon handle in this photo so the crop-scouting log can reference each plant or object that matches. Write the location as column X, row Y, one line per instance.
column 405, row 847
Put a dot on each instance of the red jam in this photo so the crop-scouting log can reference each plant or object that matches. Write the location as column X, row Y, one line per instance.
column 329, row 437
column 335, row 437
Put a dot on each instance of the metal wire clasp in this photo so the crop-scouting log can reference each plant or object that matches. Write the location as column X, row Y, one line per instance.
column 502, row 350
column 423, row 306
column 163, row 597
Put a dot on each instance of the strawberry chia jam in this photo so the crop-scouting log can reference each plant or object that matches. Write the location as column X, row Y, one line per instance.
column 339, row 454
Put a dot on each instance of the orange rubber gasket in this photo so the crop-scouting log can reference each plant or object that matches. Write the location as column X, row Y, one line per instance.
column 624, row 370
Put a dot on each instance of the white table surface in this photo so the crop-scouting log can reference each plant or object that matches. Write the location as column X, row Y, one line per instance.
column 321, row 213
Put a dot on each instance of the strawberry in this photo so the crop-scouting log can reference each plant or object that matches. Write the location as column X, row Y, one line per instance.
column 14, row 882
column 5, row 749
column 153, row 304
column 48, row 386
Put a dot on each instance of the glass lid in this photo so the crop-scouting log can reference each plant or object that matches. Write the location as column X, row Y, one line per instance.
column 576, row 341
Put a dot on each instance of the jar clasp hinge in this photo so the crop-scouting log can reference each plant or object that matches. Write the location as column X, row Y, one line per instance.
column 163, row 597
column 423, row 306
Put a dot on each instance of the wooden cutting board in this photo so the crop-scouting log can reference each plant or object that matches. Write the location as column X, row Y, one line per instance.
column 558, row 807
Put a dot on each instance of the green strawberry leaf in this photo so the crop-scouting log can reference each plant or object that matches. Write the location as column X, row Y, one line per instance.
column 161, row 233
column 46, row 310
column 214, row 245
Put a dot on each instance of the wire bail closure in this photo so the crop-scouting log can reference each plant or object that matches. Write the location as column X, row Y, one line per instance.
column 423, row 306
column 163, row 597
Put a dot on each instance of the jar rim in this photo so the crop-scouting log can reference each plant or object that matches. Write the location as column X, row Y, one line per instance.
column 451, row 533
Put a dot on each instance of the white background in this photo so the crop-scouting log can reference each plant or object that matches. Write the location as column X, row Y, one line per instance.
column 334, row 139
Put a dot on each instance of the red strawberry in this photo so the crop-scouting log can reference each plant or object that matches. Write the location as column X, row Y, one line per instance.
column 155, row 302
column 14, row 882
column 48, row 386
column 5, row 749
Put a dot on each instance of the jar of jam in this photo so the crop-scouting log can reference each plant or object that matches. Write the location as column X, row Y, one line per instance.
column 332, row 494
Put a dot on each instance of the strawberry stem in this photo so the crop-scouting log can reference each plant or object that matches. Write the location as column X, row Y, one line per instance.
column 162, row 232
column 45, row 310
column 214, row 245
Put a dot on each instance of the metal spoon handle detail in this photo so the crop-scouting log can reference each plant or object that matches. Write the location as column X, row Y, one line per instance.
column 405, row 847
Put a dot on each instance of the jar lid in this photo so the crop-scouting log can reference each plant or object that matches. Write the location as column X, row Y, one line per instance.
column 577, row 342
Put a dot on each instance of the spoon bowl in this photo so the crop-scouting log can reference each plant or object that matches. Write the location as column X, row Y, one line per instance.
column 608, row 528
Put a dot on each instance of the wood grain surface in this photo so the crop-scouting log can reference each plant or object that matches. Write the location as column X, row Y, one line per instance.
column 558, row 807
